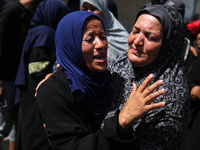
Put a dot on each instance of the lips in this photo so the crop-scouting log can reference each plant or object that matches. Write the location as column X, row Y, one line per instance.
column 136, row 51
column 99, row 58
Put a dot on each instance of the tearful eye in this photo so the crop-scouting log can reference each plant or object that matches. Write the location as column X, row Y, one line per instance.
column 88, row 39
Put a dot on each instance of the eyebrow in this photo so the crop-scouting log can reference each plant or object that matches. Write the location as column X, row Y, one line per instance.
column 147, row 32
column 89, row 32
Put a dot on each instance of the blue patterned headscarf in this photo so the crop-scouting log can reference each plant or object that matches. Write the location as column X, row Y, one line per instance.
column 88, row 87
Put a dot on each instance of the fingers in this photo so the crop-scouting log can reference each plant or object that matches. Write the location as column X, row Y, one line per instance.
column 145, row 83
column 134, row 89
column 154, row 95
column 47, row 76
column 152, row 87
column 138, row 103
column 57, row 66
column 39, row 86
column 155, row 106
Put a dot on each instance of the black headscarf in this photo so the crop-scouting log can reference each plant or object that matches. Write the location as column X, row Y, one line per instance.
column 161, row 128
column 172, row 50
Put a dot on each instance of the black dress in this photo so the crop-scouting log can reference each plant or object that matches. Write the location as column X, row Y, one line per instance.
column 68, row 123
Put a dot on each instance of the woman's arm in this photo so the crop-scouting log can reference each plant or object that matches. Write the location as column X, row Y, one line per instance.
column 41, row 60
column 66, row 130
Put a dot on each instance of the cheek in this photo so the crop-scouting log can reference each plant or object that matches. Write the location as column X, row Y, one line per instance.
column 198, row 43
column 153, row 52
column 87, row 51
column 130, row 39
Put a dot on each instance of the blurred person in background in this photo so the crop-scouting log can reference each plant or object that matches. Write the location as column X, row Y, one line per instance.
column 116, row 34
column 14, row 24
column 37, row 60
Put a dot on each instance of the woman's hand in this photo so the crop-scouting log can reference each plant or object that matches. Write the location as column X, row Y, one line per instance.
column 1, row 93
column 42, row 81
column 195, row 93
column 138, row 103
column 193, row 50
column 46, row 77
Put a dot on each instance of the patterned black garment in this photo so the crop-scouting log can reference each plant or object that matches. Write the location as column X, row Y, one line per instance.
column 162, row 128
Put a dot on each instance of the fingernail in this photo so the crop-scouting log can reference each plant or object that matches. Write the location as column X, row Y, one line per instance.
column 161, row 81
column 163, row 90
column 151, row 75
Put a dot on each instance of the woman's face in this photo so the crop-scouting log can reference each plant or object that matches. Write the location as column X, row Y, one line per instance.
column 91, row 8
column 94, row 46
column 198, row 40
column 144, row 40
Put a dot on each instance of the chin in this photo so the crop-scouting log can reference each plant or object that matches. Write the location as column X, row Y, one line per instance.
column 99, row 68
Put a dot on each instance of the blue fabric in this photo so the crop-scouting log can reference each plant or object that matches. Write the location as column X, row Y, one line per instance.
column 49, row 13
column 92, row 88
column 41, row 33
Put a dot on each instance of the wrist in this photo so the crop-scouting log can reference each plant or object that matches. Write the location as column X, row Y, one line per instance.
column 123, row 121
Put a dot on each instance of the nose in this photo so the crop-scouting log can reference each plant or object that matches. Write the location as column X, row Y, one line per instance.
column 139, row 39
column 98, row 43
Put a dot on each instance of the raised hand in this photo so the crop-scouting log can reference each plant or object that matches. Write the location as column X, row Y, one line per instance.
column 138, row 103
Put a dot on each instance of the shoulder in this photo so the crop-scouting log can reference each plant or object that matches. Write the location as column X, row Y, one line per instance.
column 55, row 85
column 55, row 92
column 41, row 31
column 12, row 11
column 45, row 29
column 119, row 63
column 10, row 8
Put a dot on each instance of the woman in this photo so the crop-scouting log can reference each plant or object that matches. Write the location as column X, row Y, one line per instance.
column 192, row 134
column 73, row 102
column 192, row 33
column 193, row 130
column 37, row 60
column 155, row 46
column 116, row 34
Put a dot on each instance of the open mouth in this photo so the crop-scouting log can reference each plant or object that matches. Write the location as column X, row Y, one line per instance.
column 99, row 58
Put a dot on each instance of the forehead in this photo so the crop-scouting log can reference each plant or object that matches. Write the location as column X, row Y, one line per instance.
column 147, row 21
column 93, row 24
